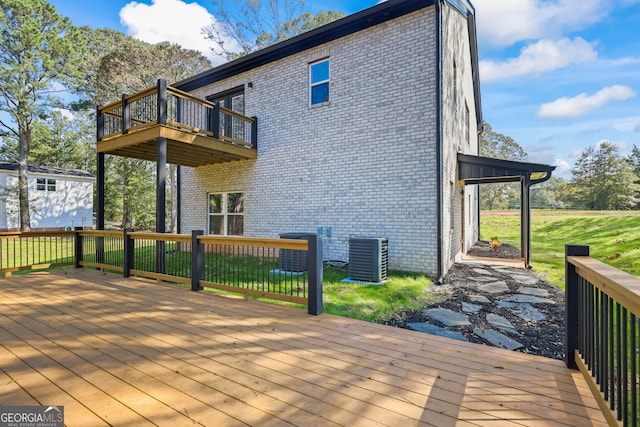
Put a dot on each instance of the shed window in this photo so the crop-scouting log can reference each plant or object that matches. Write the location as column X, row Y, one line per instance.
column 45, row 184
column 319, row 82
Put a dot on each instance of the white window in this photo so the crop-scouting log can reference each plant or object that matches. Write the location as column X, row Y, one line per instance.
column 319, row 82
column 226, row 214
column 45, row 184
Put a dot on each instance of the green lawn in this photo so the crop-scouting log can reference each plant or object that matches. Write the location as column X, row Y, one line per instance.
column 613, row 236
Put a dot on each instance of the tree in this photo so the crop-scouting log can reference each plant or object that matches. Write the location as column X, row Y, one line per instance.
column 634, row 159
column 253, row 24
column 499, row 146
column 39, row 50
column 604, row 180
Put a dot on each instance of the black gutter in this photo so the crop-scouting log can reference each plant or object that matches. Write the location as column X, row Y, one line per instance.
column 367, row 18
column 439, row 137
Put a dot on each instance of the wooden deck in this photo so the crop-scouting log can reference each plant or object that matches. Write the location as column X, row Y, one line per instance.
column 131, row 352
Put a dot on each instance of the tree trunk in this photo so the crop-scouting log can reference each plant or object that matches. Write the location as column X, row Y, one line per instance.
column 23, row 182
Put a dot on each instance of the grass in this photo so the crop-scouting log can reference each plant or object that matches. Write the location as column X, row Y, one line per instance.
column 613, row 237
column 375, row 302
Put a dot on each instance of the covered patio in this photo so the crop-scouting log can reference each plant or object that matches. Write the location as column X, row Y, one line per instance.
column 124, row 351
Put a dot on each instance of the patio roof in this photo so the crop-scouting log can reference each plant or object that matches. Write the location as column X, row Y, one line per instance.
column 475, row 170
column 487, row 170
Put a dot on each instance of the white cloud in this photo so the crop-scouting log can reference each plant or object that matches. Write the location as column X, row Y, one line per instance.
column 638, row 127
column 623, row 146
column 503, row 23
column 171, row 20
column 583, row 103
column 537, row 58
column 563, row 169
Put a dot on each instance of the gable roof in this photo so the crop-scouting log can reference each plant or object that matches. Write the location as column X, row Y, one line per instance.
column 367, row 18
column 47, row 170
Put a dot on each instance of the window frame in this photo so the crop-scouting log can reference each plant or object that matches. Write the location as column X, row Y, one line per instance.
column 46, row 184
column 313, row 84
column 224, row 212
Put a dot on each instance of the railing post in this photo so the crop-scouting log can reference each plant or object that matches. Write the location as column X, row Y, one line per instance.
column 162, row 102
column 126, row 114
column 78, row 247
column 99, row 124
column 254, row 133
column 129, row 248
column 197, row 260
column 571, row 303
column 314, row 263
column 214, row 120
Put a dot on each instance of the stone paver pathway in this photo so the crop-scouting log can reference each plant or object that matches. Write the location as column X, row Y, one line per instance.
column 490, row 292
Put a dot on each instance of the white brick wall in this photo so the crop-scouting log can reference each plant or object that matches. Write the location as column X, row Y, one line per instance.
column 363, row 165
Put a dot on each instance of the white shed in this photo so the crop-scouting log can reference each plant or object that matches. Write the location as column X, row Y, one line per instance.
column 59, row 198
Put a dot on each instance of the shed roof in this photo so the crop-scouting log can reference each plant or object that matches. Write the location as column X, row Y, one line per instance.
column 47, row 170
column 487, row 170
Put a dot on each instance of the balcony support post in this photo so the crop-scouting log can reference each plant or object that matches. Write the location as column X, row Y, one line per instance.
column 572, row 283
column 254, row 133
column 161, row 200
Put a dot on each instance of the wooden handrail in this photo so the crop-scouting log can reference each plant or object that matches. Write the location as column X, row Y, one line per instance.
column 101, row 233
column 301, row 245
column 188, row 96
column 235, row 114
column 164, row 237
column 23, row 234
column 622, row 287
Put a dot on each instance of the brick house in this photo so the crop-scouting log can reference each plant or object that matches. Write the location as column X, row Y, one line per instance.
column 352, row 130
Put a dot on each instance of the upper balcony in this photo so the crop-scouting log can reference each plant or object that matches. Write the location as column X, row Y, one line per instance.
column 198, row 132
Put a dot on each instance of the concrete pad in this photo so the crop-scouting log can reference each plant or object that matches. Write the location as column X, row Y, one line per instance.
column 448, row 317
column 480, row 299
column 527, row 298
column 501, row 323
column 494, row 288
column 467, row 307
column 497, row 339
column 428, row 328
column 525, row 311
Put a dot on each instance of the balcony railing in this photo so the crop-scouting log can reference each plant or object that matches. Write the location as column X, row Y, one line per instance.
column 603, row 333
column 169, row 107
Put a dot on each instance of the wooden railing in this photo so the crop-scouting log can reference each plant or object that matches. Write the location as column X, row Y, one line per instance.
column 277, row 269
column 35, row 251
column 602, row 337
column 169, row 106
column 247, row 266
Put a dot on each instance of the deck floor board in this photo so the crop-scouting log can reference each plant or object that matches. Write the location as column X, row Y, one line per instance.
column 118, row 351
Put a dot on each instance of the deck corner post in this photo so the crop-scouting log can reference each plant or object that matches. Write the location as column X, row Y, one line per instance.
column 129, row 248
column 78, row 247
column 314, row 262
column 214, row 120
column 571, row 303
column 197, row 260
column 254, row 133
column 126, row 114
column 162, row 102
column 99, row 124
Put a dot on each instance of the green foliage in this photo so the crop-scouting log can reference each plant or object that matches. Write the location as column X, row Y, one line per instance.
column 604, row 180
column 614, row 237
column 245, row 26
column 498, row 146
column 39, row 51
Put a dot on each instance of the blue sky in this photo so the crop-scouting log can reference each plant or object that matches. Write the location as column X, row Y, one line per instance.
column 556, row 75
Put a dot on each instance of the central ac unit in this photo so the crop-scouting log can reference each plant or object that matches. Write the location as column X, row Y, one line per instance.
column 368, row 259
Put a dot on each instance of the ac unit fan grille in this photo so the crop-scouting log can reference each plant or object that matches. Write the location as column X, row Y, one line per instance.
column 368, row 259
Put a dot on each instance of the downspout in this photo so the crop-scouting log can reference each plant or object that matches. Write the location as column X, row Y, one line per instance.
column 439, row 159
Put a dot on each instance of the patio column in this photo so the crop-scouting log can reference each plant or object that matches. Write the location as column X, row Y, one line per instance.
column 525, row 217
column 161, row 177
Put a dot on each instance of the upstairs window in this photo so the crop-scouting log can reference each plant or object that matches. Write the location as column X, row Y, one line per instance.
column 45, row 184
column 319, row 82
column 226, row 214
